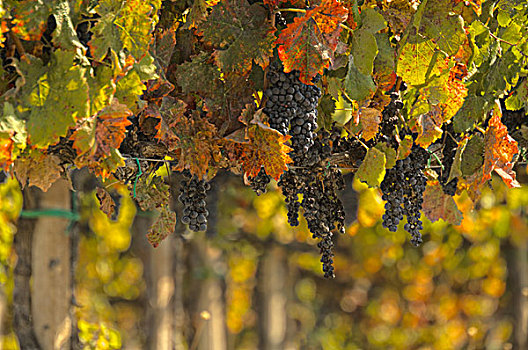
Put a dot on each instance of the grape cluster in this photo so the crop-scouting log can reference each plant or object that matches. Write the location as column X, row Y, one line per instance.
column 403, row 188
column 259, row 182
column 292, row 106
column 290, row 184
column 324, row 212
column 319, row 183
column 192, row 196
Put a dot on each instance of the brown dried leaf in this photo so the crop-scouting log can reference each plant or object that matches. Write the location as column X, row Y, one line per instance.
column 38, row 169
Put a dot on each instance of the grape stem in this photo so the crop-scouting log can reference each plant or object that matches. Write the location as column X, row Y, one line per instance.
column 357, row 138
column 19, row 47
column 290, row 10
column 344, row 26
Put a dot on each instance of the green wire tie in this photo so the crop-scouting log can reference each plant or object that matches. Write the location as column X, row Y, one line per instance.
column 437, row 159
column 60, row 213
column 137, row 176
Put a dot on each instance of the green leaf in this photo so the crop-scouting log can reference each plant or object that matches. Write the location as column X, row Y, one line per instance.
column 364, row 49
column 110, row 164
column 435, row 27
column 129, row 89
column 146, row 68
column 124, row 25
column 56, row 96
column 30, row 18
column 372, row 170
column 390, row 154
column 241, row 33
column 358, row 86
column 473, row 155
column 473, row 109
column 14, row 125
column 519, row 98
column 364, row 44
column 444, row 27
column 197, row 14
column 199, row 75
column 105, row 36
column 385, row 62
column 64, row 36
column 326, row 109
column 102, row 85
column 456, row 170
column 372, row 21
column 414, row 61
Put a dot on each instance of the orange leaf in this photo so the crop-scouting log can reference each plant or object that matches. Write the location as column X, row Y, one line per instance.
column 111, row 127
column 196, row 138
column 6, row 151
column 171, row 110
column 265, row 147
column 404, row 149
column 275, row 3
column 429, row 127
column 329, row 15
column 499, row 151
column 370, row 119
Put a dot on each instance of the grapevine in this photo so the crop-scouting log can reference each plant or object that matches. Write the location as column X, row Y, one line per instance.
column 266, row 90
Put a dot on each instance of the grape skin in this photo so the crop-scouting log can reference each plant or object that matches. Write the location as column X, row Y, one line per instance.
column 192, row 195
column 403, row 188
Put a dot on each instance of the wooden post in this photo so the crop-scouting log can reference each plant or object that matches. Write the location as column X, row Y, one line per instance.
column 22, row 315
column 209, row 316
column 51, row 263
column 521, row 324
column 272, row 277
column 161, row 294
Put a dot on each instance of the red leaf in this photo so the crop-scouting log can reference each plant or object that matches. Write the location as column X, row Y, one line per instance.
column 438, row 205
column 97, row 140
column 111, row 127
column 308, row 44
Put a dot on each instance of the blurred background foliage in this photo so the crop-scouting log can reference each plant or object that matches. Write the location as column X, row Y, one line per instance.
column 464, row 288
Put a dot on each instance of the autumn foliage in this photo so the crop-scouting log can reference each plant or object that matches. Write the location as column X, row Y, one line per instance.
column 108, row 83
